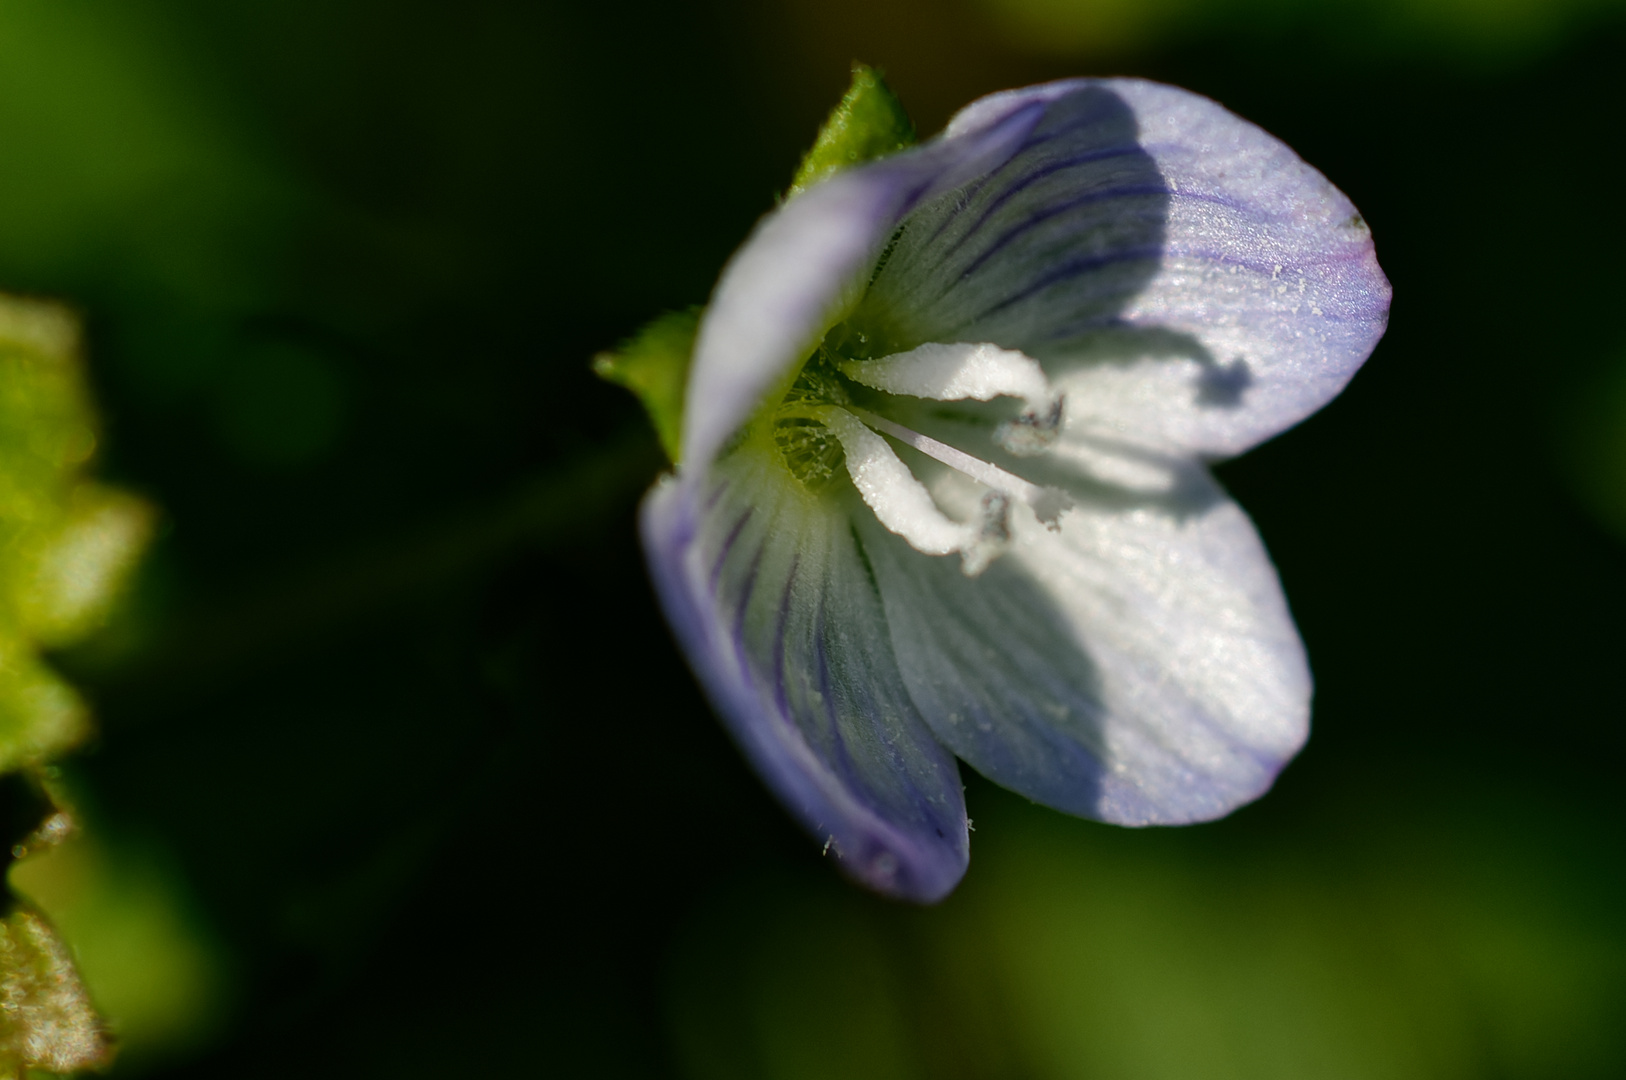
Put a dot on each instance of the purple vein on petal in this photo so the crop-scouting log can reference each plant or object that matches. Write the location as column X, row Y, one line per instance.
column 748, row 586
column 913, row 198
column 1354, row 253
column 1070, row 269
column 821, row 661
column 1042, row 216
column 839, row 756
column 963, row 203
column 728, row 545
column 1090, row 158
column 971, row 190
column 717, row 493
column 780, row 695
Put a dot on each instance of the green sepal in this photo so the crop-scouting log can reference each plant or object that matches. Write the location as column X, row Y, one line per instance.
column 654, row 364
column 869, row 123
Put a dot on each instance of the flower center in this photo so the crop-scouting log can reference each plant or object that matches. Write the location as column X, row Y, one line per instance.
column 818, row 429
column 812, row 454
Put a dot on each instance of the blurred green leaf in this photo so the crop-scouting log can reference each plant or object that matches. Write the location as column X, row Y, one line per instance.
column 810, row 987
column 868, row 123
column 1426, row 947
column 47, row 1020
column 1592, row 443
column 1480, row 29
column 117, row 149
column 68, row 543
column 654, row 364
column 146, row 962
column 280, row 406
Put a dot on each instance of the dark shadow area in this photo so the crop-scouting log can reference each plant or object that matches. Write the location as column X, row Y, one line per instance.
column 1221, row 386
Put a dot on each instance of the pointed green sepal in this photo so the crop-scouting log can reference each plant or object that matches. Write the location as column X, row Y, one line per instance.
column 654, row 364
column 868, row 123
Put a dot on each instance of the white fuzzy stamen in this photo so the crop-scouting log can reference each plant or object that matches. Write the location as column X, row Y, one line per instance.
column 1047, row 503
column 978, row 372
column 953, row 373
column 900, row 502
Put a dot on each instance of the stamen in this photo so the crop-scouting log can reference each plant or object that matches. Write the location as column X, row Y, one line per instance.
column 1047, row 503
column 904, row 505
column 952, row 373
column 900, row 502
column 993, row 534
column 980, row 372
column 1032, row 433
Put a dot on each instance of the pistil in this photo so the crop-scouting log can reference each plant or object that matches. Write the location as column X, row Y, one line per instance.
column 817, row 427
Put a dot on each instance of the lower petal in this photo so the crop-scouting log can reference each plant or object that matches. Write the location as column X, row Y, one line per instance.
column 771, row 598
column 1139, row 667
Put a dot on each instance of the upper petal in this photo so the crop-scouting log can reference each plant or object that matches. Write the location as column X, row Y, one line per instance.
column 1139, row 667
column 770, row 597
column 808, row 262
column 1188, row 281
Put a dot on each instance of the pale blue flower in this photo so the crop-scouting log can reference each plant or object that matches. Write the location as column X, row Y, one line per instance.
column 943, row 488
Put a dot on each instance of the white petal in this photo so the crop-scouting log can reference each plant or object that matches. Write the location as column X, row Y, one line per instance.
column 806, row 264
column 1268, row 272
column 1140, row 666
column 770, row 597
column 1187, row 281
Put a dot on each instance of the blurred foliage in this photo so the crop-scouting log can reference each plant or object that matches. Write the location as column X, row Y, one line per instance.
column 1406, row 948
column 157, row 980
column 68, row 543
column 48, row 1021
column 1592, row 441
column 1475, row 30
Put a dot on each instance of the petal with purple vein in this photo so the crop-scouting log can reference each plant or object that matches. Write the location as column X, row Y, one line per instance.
column 774, row 603
column 1183, row 276
column 1138, row 667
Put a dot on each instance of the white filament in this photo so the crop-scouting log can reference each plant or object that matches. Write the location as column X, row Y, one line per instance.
column 1047, row 503
column 904, row 506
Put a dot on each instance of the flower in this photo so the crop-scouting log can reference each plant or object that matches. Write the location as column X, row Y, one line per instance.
column 1017, row 344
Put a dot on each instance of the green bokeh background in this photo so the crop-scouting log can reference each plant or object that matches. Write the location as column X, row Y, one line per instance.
column 399, row 773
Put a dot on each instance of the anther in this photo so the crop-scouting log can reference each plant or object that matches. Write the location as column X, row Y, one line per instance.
column 1033, row 432
column 993, row 534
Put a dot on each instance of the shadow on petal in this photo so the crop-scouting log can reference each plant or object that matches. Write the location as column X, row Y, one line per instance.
column 1139, row 666
column 1063, row 234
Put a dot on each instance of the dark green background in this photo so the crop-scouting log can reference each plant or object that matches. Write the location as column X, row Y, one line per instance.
column 392, row 697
